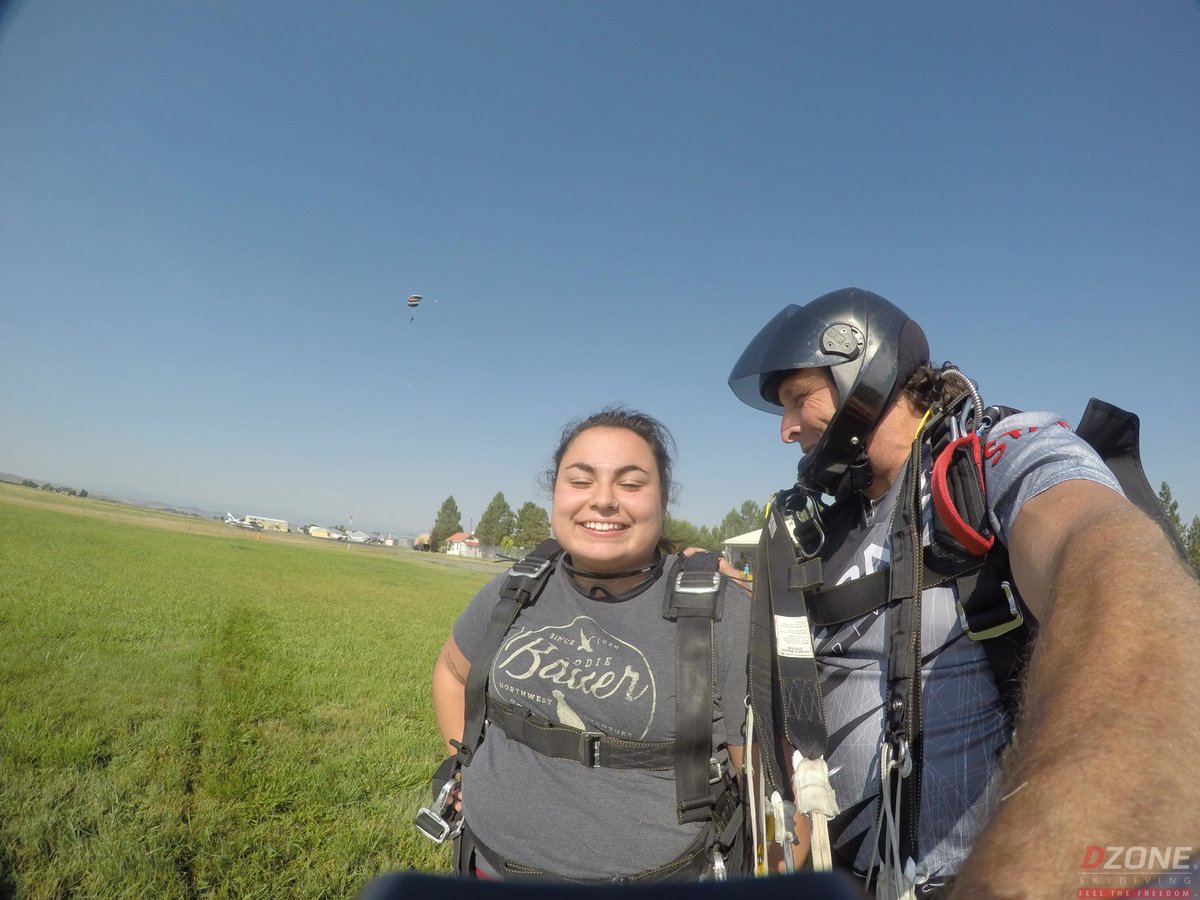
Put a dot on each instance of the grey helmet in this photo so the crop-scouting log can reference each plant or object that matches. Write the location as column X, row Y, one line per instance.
column 870, row 346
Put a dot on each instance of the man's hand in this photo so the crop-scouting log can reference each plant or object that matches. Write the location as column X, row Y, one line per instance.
column 724, row 567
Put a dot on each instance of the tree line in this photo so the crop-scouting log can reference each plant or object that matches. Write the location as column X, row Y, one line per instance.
column 500, row 528
column 29, row 482
column 1189, row 535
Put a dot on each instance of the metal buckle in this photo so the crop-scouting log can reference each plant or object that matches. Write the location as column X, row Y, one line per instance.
column 526, row 569
column 707, row 586
column 589, row 748
column 716, row 770
column 434, row 824
column 899, row 756
column 719, row 871
column 1016, row 621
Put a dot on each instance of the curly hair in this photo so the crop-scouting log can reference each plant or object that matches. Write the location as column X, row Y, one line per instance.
column 935, row 384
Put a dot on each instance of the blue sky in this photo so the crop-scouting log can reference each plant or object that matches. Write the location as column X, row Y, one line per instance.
column 211, row 213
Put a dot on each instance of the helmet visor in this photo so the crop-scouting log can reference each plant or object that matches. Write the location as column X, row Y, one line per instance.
column 795, row 339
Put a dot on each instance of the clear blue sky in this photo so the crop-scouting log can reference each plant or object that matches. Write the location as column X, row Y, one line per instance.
column 211, row 214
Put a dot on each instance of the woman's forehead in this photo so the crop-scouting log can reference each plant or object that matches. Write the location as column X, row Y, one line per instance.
column 614, row 446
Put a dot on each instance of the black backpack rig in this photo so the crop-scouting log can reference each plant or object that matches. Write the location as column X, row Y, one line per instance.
column 706, row 790
column 785, row 688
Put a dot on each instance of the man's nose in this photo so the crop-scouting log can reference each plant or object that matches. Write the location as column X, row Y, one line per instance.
column 789, row 431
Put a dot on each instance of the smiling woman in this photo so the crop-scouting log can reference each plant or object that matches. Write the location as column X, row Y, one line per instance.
column 591, row 662
column 611, row 485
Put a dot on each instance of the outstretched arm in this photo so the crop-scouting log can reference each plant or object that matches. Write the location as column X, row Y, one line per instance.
column 1105, row 753
column 450, row 692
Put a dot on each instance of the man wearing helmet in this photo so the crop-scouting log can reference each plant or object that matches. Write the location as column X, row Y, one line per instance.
column 892, row 684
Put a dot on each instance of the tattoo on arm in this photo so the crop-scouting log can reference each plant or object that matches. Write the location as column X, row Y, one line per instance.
column 459, row 676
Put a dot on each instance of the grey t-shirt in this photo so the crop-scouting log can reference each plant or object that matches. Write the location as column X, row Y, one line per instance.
column 605, row 665
column 965, row 729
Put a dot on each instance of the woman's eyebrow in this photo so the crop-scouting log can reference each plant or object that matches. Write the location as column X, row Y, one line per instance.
column 625, row 470
column 589, row 469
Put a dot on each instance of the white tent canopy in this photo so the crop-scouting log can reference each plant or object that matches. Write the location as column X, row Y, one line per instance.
column 742, row 550
column 749, row 539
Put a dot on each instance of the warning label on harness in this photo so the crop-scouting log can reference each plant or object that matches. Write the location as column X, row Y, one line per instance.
column 792, row 637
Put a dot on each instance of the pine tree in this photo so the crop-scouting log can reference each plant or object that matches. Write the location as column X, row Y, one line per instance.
column 533, row 526
column 497, row 522
column 1192, row 543
column 449, row 521
column 748, row 517
column 683, row 534
column 1171, row 507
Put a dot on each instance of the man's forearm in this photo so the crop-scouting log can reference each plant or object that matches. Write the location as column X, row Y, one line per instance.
column 1106, row 750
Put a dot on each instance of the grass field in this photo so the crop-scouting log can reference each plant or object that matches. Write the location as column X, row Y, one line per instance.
column 190, row 710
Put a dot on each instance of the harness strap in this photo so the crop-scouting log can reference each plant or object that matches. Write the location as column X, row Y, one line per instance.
column 781, row 639
column 592, row 749
column 761, row 653
column 692, row 602
column 688, row 866
column 853, row 599
column 800, row 687
column 526, row 579
column 902, row 724
column 1114, row 433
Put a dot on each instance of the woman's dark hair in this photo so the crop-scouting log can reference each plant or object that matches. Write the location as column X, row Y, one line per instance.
column 648, row 428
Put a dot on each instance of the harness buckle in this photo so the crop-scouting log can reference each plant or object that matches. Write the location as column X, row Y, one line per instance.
column 697, row 582
column 527, row 568
column 716, row 770
column 432, row 825
column 589, row 748
column 899, row 757
column 719, row 871
column 1016, row 618
column 435, row 825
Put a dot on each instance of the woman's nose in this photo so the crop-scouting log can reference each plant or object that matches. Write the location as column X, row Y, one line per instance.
column 604, row 497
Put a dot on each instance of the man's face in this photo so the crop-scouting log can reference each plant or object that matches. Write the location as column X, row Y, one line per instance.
column 809, row 402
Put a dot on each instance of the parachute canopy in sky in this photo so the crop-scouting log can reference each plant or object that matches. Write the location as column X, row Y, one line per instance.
column 413, row 300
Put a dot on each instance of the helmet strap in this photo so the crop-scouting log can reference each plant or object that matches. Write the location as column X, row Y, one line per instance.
column 857, row 478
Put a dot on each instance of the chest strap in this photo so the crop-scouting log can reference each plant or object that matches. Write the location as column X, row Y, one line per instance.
column 592, row 749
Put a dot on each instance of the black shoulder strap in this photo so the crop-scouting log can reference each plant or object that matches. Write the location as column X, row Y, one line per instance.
column 1115, row 434
column 692, row 602
column 785, row 690
column 525, row 581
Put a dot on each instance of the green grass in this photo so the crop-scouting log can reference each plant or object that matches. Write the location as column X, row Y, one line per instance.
column 200, row 713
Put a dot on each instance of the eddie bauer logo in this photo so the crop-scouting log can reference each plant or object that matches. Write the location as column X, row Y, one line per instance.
column 1142, row 872
column 582, row 673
